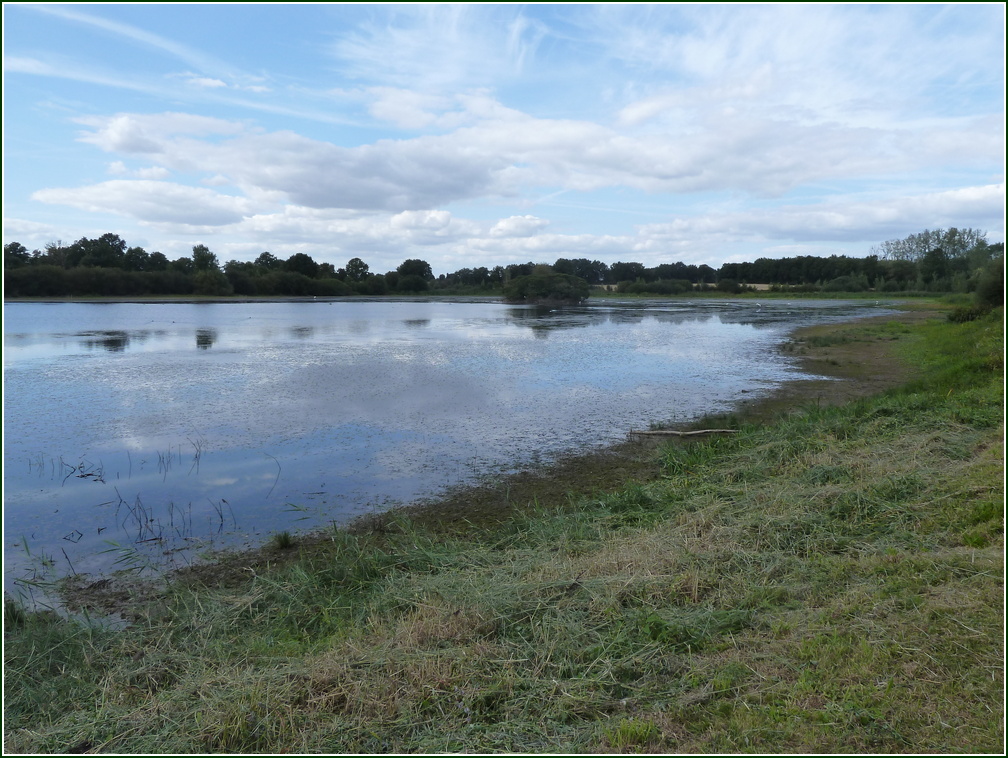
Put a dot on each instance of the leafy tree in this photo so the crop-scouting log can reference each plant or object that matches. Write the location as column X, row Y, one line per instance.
column 373, row 285
column 203, row 259
column 415, row 267
column 729, row 285
column 593, row 272
column 269, row 262
column 15, row 255
column 183, row 265
column 934, row 265
column 157, row 262
column 412, row 283
column 242, row 277
column 136, row 259
column 547, row 286
column 515, row 270
column 211, row 281
column 302, row 263
column 990, row 288
column 955, row 242
column 623, row 272
column 56, row 254
column 357, row 270
column 42, row 280
column 108, row 251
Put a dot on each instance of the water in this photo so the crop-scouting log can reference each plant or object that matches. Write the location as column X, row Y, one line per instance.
column 152, row 432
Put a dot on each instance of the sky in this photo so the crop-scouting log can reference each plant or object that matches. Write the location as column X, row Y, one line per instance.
column 480, row 134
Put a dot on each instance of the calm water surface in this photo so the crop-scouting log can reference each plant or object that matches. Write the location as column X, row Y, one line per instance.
column 152, row 432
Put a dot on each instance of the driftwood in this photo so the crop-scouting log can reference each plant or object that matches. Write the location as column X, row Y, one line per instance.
column 674, row 433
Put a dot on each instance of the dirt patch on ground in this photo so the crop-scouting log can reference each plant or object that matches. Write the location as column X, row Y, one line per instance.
column 856, row 359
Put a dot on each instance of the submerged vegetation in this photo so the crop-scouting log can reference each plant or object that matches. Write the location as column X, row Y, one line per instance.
column 829, row 579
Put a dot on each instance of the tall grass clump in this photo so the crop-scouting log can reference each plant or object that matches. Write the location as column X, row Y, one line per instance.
column 829, row 581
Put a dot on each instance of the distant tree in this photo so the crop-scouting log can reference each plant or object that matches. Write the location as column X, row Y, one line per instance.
column 412, row 283
column 934, row 265
column 182, row 265
column 415, row 267
column 545, row 287
column 729, row 285
column 203, row 259
column 990, row 288
column 326, row 271
column 157, row 262
column 136, row 259
column 622, row 272
column 15, row 255
column 373, row 285
column 302, row 263
column 357, row 270
column 269, row 262
column 108, row 251
column 564, row 266
column 514, row 270
column 211, row 281
column 955, row 242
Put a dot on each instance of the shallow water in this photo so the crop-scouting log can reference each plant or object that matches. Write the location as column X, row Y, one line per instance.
column 149, row 432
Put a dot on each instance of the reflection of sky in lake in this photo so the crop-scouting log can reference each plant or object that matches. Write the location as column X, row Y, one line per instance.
column 225, row 422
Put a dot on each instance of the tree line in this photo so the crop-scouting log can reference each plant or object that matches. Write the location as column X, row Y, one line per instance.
column 950, row 260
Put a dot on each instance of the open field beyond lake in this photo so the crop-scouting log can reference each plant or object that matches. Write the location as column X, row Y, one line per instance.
column 826, row 579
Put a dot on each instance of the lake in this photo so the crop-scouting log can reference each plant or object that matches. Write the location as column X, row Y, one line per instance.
column 153, row 432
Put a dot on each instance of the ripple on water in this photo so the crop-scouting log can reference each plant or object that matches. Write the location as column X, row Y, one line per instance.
column 299, row 414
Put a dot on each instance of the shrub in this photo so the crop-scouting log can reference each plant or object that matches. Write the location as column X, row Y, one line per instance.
column 969, row 313
column 547, row 287
column 990, row 288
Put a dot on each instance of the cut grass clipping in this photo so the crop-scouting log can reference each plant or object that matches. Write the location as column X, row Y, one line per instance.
column 829, row 582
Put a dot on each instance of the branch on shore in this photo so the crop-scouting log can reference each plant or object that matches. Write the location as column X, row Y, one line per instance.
column 673, row 433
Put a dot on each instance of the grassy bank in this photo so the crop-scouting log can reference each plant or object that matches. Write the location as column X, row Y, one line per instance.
column 828, row 579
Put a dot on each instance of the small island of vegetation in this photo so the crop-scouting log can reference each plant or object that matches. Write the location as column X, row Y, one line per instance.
column 546, row 286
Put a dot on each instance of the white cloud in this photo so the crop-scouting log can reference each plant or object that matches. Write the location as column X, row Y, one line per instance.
column 844, row 220
column 153, row 172
column 727, row 127
column 151, row 201
column 406, row 109
column 518, row 226
column 204, row 81
column 431, row 221
column 118, row 168
column 512, row 152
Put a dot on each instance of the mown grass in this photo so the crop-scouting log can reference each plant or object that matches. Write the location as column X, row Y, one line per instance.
column 830, row 582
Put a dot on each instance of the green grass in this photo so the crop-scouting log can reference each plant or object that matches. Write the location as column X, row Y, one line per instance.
column 829, row 582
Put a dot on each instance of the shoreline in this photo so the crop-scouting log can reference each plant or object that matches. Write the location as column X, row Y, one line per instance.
column 850, row 365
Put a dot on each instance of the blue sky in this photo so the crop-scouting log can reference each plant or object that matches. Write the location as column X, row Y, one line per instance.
column 488, row 134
